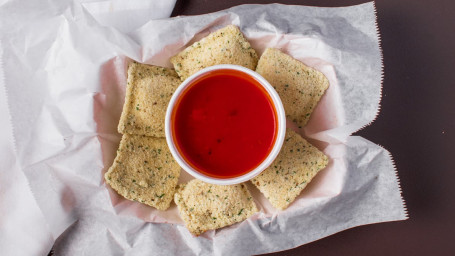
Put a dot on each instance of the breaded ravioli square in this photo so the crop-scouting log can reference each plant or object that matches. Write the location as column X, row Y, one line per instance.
column 295, row 166
column 148, row 93
column 299, row 86
column 224, row 46
column 206, row 206
column 144, row 171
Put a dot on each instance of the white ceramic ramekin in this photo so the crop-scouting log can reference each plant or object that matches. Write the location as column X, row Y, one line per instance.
column 281, row 118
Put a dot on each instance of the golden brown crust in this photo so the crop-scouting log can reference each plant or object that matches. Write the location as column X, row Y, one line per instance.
column 144, row 171
column 206, row 206
column 224, row 46
column 148, row 93
column 295, row 166
column 299, row 86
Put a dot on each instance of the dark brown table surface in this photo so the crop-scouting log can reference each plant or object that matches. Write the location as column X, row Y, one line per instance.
column 416, row 124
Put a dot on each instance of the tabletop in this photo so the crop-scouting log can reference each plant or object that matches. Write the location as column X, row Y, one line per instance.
column 416, row 124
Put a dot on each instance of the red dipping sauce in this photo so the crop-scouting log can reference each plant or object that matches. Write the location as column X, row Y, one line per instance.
column 225, row 124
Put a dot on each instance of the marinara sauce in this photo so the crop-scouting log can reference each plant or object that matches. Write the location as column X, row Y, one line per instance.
column 225, row 124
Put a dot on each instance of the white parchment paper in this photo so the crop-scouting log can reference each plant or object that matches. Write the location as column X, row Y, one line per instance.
column 65, row 81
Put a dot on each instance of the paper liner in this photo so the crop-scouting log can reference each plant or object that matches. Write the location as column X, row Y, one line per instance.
column 65, row 83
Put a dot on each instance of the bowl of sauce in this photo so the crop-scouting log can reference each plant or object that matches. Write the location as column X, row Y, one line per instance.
column 225, row 124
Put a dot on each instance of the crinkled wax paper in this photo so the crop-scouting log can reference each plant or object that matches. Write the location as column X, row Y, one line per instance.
column 65, row 77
